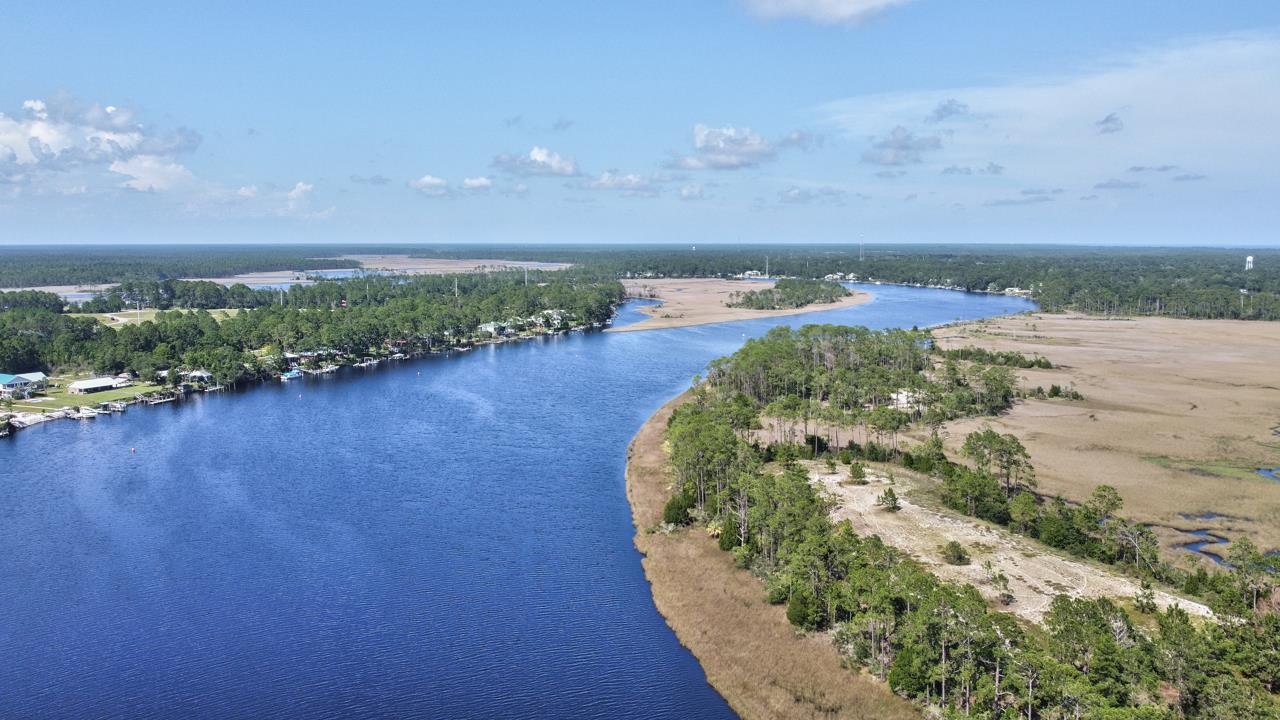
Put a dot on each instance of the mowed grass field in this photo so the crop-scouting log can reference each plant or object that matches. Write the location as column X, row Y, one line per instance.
column 1178, row 416
column 135, row 317
column 55, row 398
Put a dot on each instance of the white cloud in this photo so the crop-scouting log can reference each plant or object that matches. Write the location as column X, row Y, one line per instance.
column 430, row 185
column 248, row 191
column 538, row 161
column 148, row 173
column 826, row 12
column 692, row 192
column 1196, row 104
column 823, row 194
column 629, row 184
column 477, row 183
column 724, row 148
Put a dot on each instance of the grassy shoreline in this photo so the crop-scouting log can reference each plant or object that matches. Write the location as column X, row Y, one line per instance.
column 752, row 656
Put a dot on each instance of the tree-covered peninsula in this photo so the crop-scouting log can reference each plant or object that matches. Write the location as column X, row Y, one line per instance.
column 940, row 643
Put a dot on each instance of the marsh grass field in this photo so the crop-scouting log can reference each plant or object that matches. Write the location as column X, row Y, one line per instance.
column 1178, row 415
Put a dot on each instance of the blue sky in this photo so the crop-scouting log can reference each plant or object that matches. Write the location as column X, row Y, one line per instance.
column 716, row 121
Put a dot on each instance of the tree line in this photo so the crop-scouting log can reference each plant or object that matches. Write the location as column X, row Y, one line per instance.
column 350, row 317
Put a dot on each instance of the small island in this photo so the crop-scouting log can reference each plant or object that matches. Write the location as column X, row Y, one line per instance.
column 790, row 294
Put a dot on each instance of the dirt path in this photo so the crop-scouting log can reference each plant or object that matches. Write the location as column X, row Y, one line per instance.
column 749, row 651
column 1035, row 574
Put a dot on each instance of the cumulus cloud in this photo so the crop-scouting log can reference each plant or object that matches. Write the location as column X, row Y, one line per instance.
column 946, row 110
column 725, row 148
column 430, row 185
column 371, row 180
column 298, row 203
column 477, row 184
column 63, row 133
column 900, row 147
column 538, row 161
column 1110, row 124
column 1189, row 177
column 1114, row 184
column 148, row 173
column 247, row 191
column 824, row 12
column 823, row 195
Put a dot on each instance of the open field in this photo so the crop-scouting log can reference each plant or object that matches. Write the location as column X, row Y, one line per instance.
column 700, row 301
column 1036, row 573
column 136, row 317
column 442, row 266
column 1178, row 415
column 749, row 651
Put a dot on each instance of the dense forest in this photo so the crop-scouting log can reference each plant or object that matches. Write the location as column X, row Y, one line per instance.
column 1176, row 282
column 790, row 293
column 354, row 317
column 937, row 642
column 31, row 266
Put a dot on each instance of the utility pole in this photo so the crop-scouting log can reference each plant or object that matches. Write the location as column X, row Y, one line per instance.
column 766, row 266
column 860, row 239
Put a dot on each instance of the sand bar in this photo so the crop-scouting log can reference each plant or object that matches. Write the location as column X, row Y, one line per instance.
column 701, row 301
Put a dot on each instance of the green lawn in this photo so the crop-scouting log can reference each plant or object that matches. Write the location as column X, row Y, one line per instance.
column 135, row 317
column 55, row 398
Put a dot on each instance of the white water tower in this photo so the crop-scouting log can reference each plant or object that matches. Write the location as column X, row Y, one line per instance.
column 1248, row 263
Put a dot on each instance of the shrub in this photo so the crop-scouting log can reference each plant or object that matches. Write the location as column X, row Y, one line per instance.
column 677, row 510
column 954, row 554
column 889, row 500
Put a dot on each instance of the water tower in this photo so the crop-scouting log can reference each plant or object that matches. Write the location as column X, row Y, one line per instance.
column 1248, row 263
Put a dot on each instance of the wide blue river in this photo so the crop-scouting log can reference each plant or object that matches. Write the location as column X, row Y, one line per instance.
column 448, row 537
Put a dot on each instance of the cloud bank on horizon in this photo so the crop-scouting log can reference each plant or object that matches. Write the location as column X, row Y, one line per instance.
column 1164, row 141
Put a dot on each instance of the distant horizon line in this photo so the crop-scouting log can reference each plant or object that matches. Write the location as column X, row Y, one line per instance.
column 668, row 245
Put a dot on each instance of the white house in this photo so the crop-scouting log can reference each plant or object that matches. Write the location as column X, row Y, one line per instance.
column 92, row 385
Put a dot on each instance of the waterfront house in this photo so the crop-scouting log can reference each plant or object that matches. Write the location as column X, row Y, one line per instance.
column 12, row 386
column 36, row 381
column 93, row 385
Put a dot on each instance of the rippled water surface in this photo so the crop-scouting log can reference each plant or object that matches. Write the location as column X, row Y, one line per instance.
column 443, row 538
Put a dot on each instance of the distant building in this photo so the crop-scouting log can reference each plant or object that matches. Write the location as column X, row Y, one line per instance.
column 1248, row 263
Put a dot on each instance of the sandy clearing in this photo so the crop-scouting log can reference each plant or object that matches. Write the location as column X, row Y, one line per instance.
column 441, row 266
column 701, row 301
column 1036, row 575
column 1178, row 415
